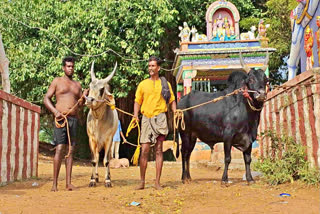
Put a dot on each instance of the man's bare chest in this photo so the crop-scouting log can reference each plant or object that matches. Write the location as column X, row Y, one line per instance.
column 68, row 88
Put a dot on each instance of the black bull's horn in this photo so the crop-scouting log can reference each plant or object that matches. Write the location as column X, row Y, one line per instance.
column 247, row 68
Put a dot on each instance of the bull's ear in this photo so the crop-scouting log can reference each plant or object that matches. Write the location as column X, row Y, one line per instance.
column 244, row 66
column 93, row 77
column 266, row 62
column 108, row 78
column 267, row 79
column 111, row 98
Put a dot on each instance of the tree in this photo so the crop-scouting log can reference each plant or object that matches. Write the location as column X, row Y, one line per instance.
column 37, row 35
column 278, row 15
column 4, row 68
column 53, row 29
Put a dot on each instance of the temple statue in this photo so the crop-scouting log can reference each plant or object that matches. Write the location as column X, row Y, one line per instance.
column 303, row 14
column 262, row 29
column 221, row 30
column 214, row 29
column 308, row 44
column 184, row 32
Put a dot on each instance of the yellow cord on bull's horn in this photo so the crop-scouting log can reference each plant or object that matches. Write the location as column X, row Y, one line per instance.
column 133, row 124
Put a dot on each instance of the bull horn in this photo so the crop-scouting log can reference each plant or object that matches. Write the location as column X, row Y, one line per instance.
column 244, row 66
column 108, row 78
column 93, row 77
column 266, row 62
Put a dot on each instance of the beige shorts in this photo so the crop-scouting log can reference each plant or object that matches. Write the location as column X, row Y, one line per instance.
column 152, row 128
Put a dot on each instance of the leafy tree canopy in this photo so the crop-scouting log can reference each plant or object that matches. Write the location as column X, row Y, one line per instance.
column 38, row 34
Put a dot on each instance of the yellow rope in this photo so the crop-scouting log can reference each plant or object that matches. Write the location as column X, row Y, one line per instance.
column 179, row 112
column 65, row 123
column 252, row 107
column 178, row 118
column 133, row 124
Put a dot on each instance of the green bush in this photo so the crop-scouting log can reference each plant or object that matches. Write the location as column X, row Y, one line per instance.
column 289, row 166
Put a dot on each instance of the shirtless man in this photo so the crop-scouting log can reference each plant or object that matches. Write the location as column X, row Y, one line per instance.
column 67, row 92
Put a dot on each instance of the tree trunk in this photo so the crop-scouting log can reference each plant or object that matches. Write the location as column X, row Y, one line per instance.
column 4, row 68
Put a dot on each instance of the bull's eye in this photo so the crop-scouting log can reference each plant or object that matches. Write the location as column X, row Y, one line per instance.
column 101, row 92
column 251, row 81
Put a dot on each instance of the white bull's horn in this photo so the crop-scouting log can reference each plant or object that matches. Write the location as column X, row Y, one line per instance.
column 108, row 78
column 244, row 66
column 93, row 77
column 266, row 62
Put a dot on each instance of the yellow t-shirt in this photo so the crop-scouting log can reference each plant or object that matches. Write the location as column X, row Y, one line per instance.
column 148, row 96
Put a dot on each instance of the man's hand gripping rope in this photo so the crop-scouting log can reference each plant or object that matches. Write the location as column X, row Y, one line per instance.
column 63, row 117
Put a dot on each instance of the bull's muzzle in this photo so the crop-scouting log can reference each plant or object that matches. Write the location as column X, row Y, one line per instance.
column 89, row 101
column 260, row 95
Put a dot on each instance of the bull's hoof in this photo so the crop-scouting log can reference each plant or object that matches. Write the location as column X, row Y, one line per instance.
column 97, row 180
column 92, row 184
column 108, row 184
column 225, row 183
column 251, row 182
column 186, row 181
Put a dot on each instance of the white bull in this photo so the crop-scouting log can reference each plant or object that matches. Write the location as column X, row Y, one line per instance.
column 102, row 123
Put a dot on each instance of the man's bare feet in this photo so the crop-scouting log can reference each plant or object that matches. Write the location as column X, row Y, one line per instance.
column 70, row 187
column 157, row 187
column 54, row 189
column 140, row 186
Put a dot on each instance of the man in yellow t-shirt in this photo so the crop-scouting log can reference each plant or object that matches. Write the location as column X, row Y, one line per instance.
column 154, row 125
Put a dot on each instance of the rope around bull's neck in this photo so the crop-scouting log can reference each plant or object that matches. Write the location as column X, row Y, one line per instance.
column 178, row 119
column 179, row 112
column 65, row 123
column 252, row 107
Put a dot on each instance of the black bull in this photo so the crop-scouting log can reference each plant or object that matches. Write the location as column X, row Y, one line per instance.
column 231, row 120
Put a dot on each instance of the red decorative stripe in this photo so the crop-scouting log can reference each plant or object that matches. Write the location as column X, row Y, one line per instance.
column 32, row 137
column 302, row 129
column 312, row 121
column 37, row 135
column 1, row 114
column 9, row 141
column 293, row 117
column 270, row 125
column 20, row 102
column 25, row 144
column 265, row 129
column 260, row 140
column 277, row 114
column 15, row 175
column 291, row 84
column 284, row 117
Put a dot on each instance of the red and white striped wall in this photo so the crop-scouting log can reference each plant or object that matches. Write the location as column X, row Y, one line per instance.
column 19, row 138
column 295, row 112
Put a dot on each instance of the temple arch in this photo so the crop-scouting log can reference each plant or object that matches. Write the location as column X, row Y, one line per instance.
column 224, row 9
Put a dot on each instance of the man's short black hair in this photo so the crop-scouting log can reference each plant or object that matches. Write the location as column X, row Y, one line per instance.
column 154, row 58
column 68, row 59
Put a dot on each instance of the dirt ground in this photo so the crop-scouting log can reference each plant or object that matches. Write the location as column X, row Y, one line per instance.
column 203, row 195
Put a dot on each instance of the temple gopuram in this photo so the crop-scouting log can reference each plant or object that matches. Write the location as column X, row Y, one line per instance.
column 204, row 62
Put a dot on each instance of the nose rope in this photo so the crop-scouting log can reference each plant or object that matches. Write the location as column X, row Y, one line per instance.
column 245, row 93
column 252, row 107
